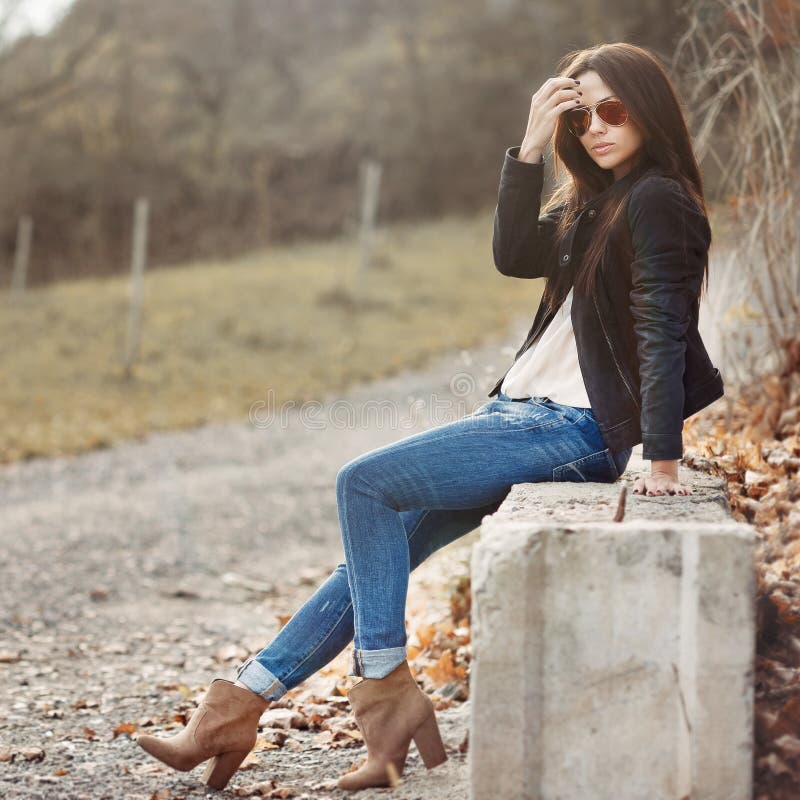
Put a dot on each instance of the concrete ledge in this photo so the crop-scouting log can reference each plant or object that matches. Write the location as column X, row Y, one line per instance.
column 612, row 659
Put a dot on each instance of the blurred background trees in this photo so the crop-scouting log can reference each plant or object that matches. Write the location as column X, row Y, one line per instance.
column 244, row 121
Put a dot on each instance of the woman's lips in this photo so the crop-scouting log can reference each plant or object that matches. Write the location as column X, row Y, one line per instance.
column 603, row 149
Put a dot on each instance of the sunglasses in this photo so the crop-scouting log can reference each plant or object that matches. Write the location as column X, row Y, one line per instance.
column 612, row 112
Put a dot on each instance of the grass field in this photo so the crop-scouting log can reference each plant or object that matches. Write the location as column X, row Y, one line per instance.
column 294, row 321
column 217, row 337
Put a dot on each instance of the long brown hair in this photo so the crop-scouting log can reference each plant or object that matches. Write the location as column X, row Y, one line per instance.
column 638, row 78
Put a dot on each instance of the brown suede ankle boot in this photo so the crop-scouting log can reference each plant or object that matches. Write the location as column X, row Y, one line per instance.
column 224, row 728
column 390, row 712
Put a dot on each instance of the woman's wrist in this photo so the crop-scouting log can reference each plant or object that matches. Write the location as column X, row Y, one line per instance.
column 530, row 153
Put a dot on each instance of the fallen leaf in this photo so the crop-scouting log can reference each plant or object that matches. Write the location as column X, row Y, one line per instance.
column 445, row 670
column 124, row 727
column 9, row 658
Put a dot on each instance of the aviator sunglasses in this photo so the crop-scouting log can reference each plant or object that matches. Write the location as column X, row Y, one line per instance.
column 612, row 112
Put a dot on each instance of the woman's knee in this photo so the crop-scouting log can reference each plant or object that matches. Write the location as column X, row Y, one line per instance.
column 354, row 471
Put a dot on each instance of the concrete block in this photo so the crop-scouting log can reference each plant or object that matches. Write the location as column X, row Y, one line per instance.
column 612, row 659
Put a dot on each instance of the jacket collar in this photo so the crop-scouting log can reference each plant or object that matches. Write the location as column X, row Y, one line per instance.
column 625, row 182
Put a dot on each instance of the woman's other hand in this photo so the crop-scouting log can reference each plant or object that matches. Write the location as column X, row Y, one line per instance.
column 662, row 480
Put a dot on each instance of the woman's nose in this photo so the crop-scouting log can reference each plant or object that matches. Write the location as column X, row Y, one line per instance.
column 595, row 123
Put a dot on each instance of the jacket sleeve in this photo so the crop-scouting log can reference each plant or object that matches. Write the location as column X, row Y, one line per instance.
column 670, row 238
column 522, row 240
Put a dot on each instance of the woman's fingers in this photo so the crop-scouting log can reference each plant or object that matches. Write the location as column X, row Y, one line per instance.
column 553, row 97
column 658, row 486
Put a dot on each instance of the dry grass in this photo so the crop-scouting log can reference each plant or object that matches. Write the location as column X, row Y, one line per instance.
column 217, row 337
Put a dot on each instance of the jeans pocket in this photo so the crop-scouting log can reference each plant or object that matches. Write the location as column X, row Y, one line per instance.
column 573, row 414
column 598, row 467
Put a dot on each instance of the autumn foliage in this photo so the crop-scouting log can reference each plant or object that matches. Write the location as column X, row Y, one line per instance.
column 754, row 443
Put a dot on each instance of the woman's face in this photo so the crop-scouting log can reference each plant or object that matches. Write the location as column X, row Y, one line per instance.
column 625, row 140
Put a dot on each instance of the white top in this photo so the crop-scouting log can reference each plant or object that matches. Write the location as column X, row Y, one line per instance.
column 550, row 368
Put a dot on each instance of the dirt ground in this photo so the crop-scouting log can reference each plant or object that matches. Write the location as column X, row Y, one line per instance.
column 133, row 576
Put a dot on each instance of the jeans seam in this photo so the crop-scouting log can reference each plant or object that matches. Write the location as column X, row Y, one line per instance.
column 582, row 433
column 277, row 684
column 571, row 464
column 350, row 566
column 549, row 423
column 359, row 654
column 416, row 527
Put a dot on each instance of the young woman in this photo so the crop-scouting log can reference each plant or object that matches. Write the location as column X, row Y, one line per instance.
column 613, row 359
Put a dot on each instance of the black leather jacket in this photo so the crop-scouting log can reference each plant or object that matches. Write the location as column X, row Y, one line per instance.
column 643, row 362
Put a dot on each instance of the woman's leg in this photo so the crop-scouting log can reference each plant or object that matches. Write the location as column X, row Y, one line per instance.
column 323, row 626
column 471, row 462
column 482, row 455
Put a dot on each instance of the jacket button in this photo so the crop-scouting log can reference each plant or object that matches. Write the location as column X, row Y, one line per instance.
column 592, row 212
column 565, row 257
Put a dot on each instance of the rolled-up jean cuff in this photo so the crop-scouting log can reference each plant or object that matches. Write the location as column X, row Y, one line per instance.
column 377, row 663
column 260, row 680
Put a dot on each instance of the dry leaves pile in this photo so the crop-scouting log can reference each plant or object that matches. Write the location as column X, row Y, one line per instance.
column 755, row 445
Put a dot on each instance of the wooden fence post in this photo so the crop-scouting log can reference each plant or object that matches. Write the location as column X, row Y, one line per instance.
column 22, row 254
column 138, row 262
column 370, row 194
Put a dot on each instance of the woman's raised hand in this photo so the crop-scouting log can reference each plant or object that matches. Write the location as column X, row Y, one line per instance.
column 553, row 97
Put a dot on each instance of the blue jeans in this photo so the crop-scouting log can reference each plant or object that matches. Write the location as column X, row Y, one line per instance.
column 400, row 503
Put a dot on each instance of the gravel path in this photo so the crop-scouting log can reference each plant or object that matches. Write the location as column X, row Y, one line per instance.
column 133, row 576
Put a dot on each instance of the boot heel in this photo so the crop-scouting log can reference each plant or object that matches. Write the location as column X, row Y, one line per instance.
column 221, row 767
column 429, row 743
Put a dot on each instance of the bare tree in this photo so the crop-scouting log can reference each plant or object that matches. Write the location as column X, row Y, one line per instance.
column 24, row 103
column 740, row 60
column 8, row 12
column 244, row 121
